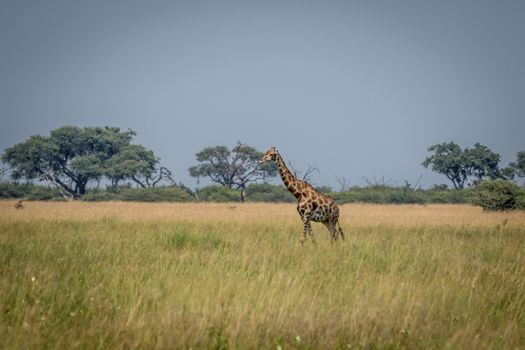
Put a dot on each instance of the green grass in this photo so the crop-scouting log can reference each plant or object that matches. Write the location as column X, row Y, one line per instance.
column 115, row 284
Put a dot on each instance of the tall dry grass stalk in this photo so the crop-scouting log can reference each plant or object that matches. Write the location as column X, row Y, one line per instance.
column 164, row 276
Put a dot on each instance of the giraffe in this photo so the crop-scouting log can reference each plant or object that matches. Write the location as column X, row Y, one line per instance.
column 312, row 205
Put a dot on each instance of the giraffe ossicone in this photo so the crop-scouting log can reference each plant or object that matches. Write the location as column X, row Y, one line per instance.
column 312, row 205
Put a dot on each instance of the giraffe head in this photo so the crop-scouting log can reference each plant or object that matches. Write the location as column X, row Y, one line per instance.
column 271, row 154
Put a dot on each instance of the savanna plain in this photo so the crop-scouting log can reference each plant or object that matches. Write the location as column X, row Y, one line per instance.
column 114, row 275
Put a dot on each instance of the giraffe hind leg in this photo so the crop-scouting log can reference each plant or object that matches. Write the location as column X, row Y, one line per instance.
column 335, row 233
column 330, row 225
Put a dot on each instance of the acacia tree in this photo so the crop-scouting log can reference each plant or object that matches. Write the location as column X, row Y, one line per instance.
column 138, row 164
column 517, row 168
column 304, row 175
column 233, row 168
column 482, row 162
column 458, row 164
column 520, row 164
column 71, row 157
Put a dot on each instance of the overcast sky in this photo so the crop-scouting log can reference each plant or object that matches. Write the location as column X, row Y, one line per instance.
column 357, row 88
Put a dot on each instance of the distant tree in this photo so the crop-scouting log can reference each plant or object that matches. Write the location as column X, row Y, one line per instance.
column 136, row 163
column 344, row 184
column 482, row 163
column 233, row 168
column 71, row 157
column 458, row 164
column 3, row 172
column 517, row 168
column 447, row 159
column 381, row 182
column 520, row 164
column 304, row 175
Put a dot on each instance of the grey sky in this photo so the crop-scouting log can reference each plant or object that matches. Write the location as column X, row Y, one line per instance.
column 358, row 88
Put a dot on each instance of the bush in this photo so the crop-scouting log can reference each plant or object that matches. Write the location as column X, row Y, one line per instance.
column 28, row 191
column 276, row 193
column 268, row 193
column 380, row 194
column 496, row 194
column 254, row 193
column 444, row 196
column 401, row 195
column 520, row 200
column 152, row 194
column 96, row 195
column 42, row 193
column 345, row 197
column 218, row 193
column 155, row 194
column 405, row 195
column 10, row 190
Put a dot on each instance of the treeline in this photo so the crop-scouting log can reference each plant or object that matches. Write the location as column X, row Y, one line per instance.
column 380, row 194
column 75, row 162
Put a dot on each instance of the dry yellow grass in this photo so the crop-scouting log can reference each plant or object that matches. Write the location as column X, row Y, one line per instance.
column 351, row 214
column 163, row 276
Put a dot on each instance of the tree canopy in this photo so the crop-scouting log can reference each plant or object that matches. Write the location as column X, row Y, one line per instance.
column 71, row 157
column 459, row 165
column 517, row 168
column 233, row 168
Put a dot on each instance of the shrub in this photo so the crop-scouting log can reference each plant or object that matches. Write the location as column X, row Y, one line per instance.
column 42, row 193
column 268, row 193
column 405, row 195
column 98, row 196
column 442, row 196
column 345, row 197
column 380, row 194
column 496, row 194
column 28, row 191
column 520, row 200
column 152, row 194
column 10, row 190
column 155, row 194
column 218, row 193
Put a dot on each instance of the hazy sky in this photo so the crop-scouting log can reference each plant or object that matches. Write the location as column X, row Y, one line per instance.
column 358, row 88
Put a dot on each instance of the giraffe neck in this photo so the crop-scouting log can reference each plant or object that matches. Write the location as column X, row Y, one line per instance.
column 290, row 181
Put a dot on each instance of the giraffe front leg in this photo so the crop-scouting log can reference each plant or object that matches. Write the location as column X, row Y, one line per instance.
column 307, row 227
column 311, row 231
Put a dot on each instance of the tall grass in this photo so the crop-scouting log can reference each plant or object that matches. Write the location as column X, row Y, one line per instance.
column 164, row 276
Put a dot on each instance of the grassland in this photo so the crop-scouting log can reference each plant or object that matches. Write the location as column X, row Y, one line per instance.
column 168, row 276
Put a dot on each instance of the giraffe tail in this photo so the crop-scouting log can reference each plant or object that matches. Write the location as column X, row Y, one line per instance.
column 340, row 231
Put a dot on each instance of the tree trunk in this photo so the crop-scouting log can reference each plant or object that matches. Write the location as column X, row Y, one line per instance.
column 64, row 190
column 242, row 194
column 138, row 182
column 82, row 188
column 454, row 181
